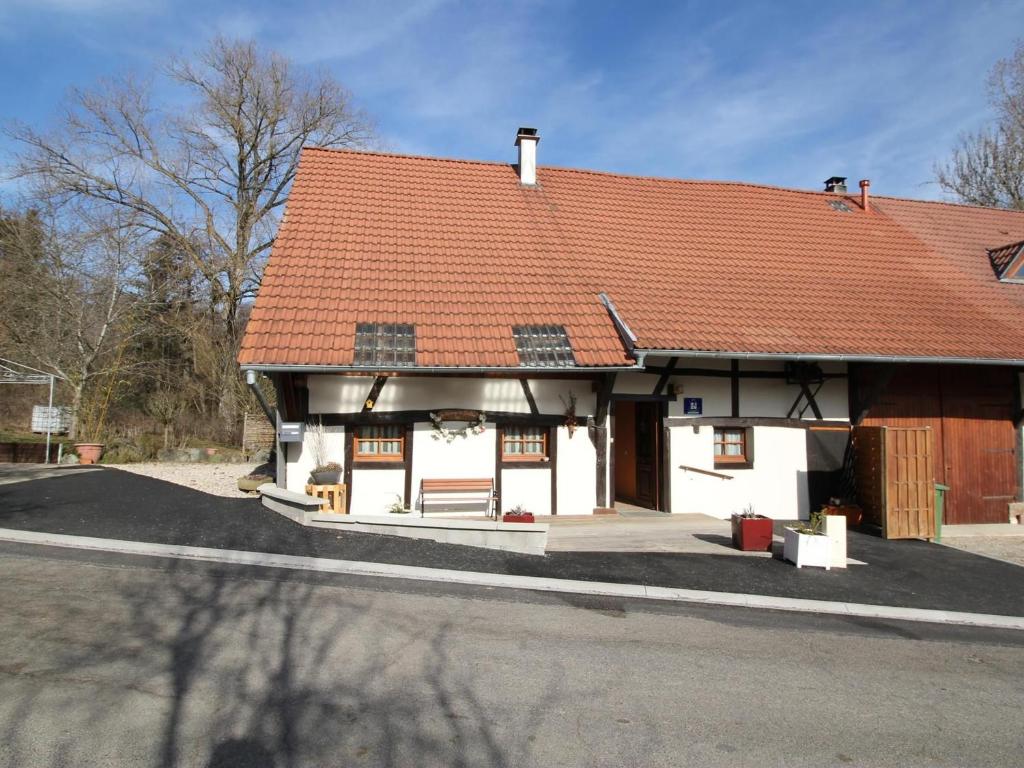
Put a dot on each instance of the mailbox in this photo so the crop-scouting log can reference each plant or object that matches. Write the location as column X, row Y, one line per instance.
column 290, row 431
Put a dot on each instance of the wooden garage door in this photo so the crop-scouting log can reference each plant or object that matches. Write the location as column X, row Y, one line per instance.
column 970, row 410
column 979, row 444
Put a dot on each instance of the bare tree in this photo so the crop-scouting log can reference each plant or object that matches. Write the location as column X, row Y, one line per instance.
column 987, row 167
column 67, row 306
column 212, row 177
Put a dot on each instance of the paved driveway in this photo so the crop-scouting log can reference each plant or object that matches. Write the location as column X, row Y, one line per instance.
column 119, row 505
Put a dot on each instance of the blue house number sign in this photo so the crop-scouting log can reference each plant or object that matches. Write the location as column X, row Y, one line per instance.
column 693, row 406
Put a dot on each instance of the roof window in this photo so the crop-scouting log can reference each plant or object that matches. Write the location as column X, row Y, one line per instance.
column 1008, row 262
column 543, row 346
column 839, row 205
column 382, row 345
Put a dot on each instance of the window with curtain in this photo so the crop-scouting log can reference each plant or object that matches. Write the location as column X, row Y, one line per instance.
column 731, row 446
column 383, row 443
column 524, row 444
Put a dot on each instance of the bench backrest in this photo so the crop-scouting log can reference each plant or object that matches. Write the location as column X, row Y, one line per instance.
column 458, row 484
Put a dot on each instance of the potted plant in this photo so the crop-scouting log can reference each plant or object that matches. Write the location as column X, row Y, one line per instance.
column 751, row 532
column 325, row 472
column 517, row 515
column 89, row 453
column 808, row 545
column 398, row 507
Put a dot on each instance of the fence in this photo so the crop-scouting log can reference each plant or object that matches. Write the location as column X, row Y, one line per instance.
column 895, row 479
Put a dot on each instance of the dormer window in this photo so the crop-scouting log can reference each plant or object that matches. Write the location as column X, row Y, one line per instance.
column 541, row 346
column 385, row 345
column 1008, row 262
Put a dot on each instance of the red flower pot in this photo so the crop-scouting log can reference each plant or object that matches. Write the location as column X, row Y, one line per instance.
column 526, row 517
column 752, row 534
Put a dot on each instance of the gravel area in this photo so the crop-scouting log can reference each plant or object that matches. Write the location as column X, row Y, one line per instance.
column 215, row 479
column 1009, row 548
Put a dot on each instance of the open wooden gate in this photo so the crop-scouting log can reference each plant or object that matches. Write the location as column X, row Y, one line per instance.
column 895, row 477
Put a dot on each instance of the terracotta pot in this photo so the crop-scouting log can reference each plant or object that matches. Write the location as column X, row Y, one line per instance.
column 89, row 453
column 854, row 515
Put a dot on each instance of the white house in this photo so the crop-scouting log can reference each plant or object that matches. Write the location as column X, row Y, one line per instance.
column 586, row 339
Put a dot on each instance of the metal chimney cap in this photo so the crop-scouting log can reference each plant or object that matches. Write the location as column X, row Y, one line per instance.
column 835, row 184
column 526, row 133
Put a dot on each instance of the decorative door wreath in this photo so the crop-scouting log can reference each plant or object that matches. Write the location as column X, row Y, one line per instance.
column 474, row 421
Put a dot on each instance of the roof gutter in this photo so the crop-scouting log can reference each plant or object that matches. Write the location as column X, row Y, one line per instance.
column 842, row 358
column 575, row 369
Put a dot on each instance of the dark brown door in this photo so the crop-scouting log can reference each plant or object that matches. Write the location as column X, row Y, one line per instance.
column 625, row 450
column 647, row 454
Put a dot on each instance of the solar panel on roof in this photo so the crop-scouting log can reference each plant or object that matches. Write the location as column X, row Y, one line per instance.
column 543, row 345
column 385, row 344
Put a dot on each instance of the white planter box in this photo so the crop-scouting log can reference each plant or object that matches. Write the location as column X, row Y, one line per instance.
column 807, row 549
column 835, row 530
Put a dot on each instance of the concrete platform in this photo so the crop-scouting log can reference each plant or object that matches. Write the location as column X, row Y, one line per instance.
column 684, row 533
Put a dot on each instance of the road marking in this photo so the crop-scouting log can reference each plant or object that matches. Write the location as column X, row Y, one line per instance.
column 505, row 581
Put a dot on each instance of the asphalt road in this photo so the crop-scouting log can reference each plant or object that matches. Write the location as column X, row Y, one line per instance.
column 115, row 660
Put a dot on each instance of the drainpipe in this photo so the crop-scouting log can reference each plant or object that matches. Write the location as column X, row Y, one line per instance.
column 250, row 379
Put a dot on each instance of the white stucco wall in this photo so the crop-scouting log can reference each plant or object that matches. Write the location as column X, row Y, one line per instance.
column 529, row 487
column 374, row 490
column 300, row 457
column 776, row 485
column 346, row 394
column 577, row 473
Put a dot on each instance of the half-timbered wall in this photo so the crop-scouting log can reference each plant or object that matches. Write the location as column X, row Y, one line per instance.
column 373, row 490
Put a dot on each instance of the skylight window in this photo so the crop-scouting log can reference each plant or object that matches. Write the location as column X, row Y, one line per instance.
column 543, row 346
column 839, row 205
column 381, row 345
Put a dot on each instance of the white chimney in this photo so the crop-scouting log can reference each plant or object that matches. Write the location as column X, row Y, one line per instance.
column 526, row 140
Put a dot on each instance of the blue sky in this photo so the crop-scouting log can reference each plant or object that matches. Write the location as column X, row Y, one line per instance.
column 772, row 92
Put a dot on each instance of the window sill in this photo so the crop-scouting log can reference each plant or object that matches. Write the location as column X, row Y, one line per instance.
column 525, row 463
column 745, row 464
column 378, row 464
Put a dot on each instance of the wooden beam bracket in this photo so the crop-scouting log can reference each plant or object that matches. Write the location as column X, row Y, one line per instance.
column 529, row 396
column 371, row 399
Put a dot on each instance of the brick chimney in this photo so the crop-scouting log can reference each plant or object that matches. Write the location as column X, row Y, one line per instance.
column 527, row 140
column 865, row 185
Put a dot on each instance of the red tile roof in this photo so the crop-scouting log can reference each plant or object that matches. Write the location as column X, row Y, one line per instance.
column 465, row 253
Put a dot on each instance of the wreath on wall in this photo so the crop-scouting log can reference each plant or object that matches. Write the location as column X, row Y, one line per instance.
column 475, row 424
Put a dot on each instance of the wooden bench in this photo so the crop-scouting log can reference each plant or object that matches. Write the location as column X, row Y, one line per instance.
column 461, row 490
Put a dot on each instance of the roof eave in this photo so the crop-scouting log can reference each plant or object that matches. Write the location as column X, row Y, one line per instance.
column 376, row 371
column 827, row 357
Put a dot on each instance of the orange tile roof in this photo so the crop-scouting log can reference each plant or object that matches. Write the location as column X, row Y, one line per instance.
column 463, row 251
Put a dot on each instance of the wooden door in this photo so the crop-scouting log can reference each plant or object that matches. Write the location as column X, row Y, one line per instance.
column 625, row 450
column 647, row 453
column 980, row 444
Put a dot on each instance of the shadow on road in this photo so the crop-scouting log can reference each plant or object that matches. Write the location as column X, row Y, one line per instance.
column 212, row 670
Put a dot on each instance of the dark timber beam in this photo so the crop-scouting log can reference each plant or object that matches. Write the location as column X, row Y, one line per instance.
column 412, row 417
column 805, row 392
column 734, row 369
column 375, row 390
column 604, row 397
column 726, row 374
column 754, row 421
column 529, row 396
column 663, row 379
